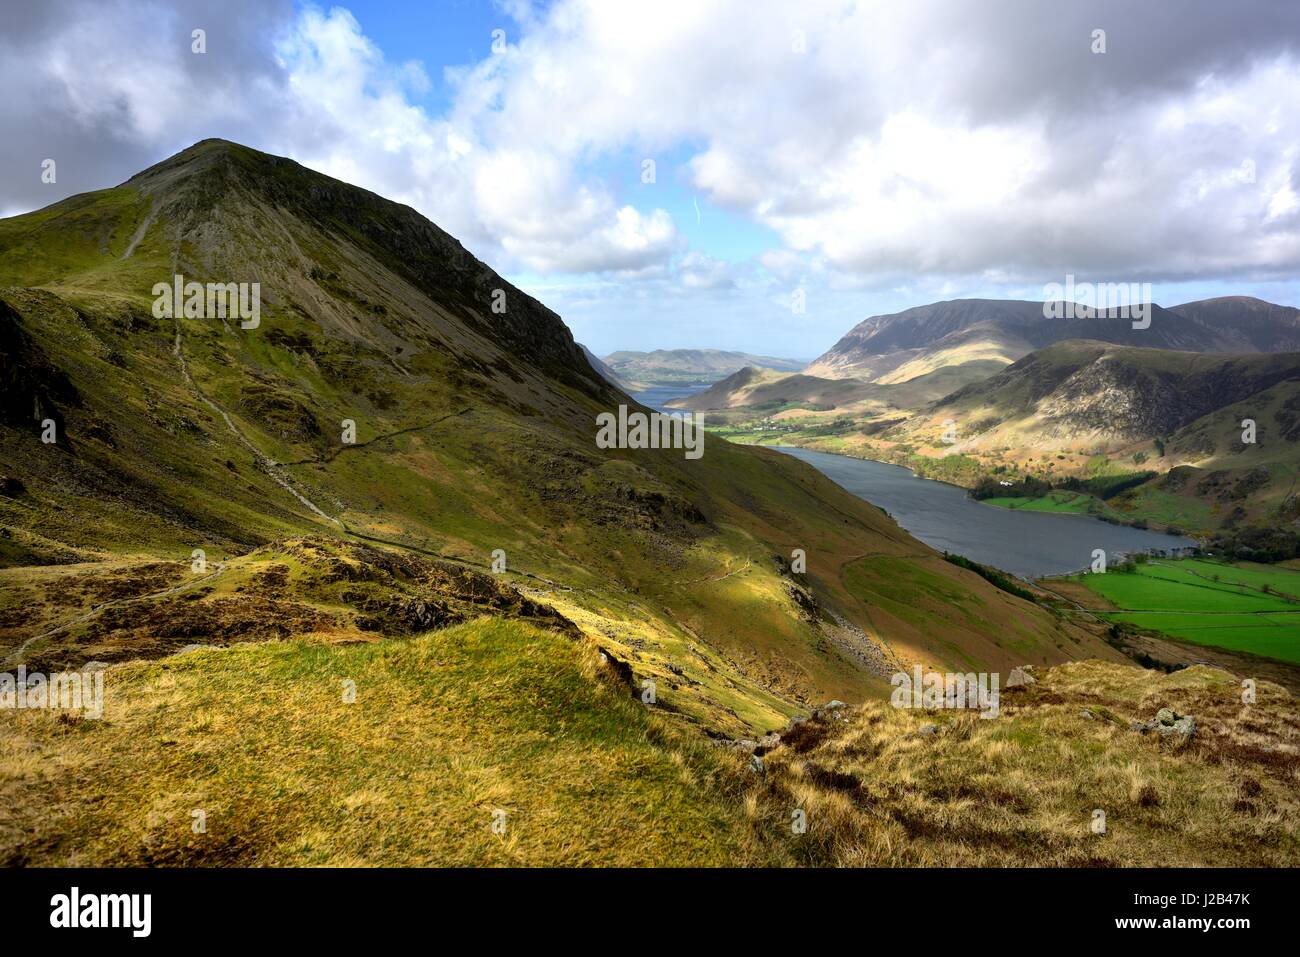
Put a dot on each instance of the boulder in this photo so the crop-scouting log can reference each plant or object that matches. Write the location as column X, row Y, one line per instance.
column 1168, row 722
column 834, row 710
column 1019, row 677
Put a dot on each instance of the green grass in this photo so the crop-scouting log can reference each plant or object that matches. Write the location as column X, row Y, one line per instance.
column 451, row 727
column 1248, row 574
column 445, row 730
column 1166, row 508
column 1070, row 502
column 1273, row 636
column 1182, row 598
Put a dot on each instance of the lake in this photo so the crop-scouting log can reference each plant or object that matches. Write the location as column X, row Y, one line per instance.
column 943, row 516
column 657, row 395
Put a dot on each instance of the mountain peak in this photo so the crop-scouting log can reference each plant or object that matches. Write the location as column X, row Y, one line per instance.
column 205, row 155
column 365, row 268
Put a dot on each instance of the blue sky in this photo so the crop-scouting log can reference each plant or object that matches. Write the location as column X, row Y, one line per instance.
column 859, row 157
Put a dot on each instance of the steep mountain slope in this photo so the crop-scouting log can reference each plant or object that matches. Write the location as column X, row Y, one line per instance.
column 605, row 372
column 890, row 347
column 673, row 366
column 1085, row 409
column 398, row 393
column 1097, row 394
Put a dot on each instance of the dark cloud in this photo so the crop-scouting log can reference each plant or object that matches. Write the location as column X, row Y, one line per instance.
column 108, row 88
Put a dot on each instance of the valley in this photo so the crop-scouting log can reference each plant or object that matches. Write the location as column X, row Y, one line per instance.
column 360, row 576
column 1064, row 419
column 1026, row 542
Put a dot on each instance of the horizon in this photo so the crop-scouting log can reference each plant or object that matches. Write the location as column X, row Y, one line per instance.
column 694, row 347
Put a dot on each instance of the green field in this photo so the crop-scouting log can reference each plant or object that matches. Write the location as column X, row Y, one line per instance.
column 1059, row 501
column 1240, row 607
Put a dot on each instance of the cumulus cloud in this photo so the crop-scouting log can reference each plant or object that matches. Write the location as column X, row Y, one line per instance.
column 947, row 138
column 313, row 86
column 936, row 140
column 108, row 88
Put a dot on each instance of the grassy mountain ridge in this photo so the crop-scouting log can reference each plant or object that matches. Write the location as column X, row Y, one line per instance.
column 499, row 723
column 482, row 690
column 1251, row 324
column 947, row 333
column 474, row 432
column 1080, row 387
column 754, row 390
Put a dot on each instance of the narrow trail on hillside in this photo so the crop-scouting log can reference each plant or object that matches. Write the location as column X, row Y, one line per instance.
column 706, row 579
column 339, row 450
column 273, row 470
column 95, row 610
column 1068, row 600
column 267, row 464
column 141, row 231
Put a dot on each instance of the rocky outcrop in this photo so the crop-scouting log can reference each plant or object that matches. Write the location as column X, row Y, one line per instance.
column 1170, row 724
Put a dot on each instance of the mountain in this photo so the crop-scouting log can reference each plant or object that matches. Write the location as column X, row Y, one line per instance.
column 754, row 387
column 944, row 334
column 360, row 566
column 678, row 366
column 405, row 441
column 1152, row 435
column 1252, row 325
column 1085, row 409
column 605, row 372
column 754, row 391
column 1083, row 392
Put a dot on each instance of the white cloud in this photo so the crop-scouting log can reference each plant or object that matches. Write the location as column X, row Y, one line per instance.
column 698, row 270
column 516, row 199
column 932, row 138
column 933, row 145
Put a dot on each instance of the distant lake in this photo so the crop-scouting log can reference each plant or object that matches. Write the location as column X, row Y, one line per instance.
column 943, row 516
column 657, row 395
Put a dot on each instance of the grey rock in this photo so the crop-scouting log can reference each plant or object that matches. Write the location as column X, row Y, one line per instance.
column 1168, row 722
column 1018, row 677
column 926, row 730
column 835, row 710
column 756, row 764
column 1085, row 713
